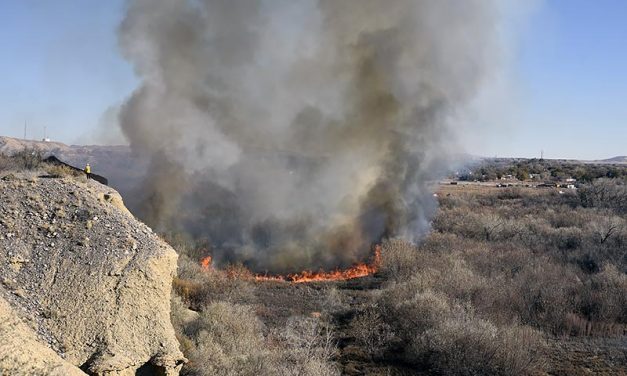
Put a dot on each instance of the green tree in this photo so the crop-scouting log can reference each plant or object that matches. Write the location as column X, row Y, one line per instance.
column 522, row 175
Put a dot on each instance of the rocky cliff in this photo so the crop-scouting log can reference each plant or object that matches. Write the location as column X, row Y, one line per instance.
column 91, row 282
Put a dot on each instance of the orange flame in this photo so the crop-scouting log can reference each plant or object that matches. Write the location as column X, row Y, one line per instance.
column 356, row 271
column 206, row 263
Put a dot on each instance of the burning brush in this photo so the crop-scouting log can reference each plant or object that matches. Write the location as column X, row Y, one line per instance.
column 356, row 271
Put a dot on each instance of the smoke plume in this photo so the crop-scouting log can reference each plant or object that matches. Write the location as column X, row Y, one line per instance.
column 293, row 134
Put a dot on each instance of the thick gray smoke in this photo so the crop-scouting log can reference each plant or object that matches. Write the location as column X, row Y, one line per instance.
column 293, row 134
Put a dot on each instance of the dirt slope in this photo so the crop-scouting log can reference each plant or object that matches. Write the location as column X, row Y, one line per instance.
column 93, row 281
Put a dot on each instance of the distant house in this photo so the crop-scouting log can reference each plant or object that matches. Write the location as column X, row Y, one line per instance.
column 571, row 180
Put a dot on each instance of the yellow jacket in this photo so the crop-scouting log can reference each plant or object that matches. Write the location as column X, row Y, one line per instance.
column 87, row 169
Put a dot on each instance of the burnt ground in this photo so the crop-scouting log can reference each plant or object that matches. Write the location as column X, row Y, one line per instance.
column 277, row 301
column 587, row 356
column 280, row 300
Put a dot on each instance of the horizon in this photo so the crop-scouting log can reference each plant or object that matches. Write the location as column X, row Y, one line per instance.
column 464, row 155
column 558, row 88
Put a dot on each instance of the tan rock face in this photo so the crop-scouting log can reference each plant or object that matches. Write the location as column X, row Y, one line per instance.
column 22, row 354
column 94, row 282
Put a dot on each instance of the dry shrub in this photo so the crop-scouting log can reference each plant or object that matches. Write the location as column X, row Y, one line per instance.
column 372, row 333
column 605, row 193
column 509, row 194
column 227, row 340
column 567, row 217
column 604, row 298
column 399, row 259
column 61, row 171
column 411, row 312
column 449, row 338
column 459, row 221
column 580, row 326
column 476, row 225
column 521, row 350
column 446, row 273
column 309, row 337
column 460, row 345
column 605, row 228
column 238, row 272
column 542, row 293
column 452, row 201
column 200, row 287
column 186, row 289
column 438, row 242
column 6, row 163
column 28, row 159
column 335, row 301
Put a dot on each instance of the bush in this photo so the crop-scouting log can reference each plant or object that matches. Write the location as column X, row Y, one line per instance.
column 227, row 340
column 61, row 171
column 399, row 259
column 458, row 345
column 449, row 338
column 334, row 301
column 605, row 193
column 28, row 158
column 309, row 338
column 199, row 287
column 372, row 333
column 604, row 298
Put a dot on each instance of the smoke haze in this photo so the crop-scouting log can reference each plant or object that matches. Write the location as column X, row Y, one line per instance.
column 293, row 134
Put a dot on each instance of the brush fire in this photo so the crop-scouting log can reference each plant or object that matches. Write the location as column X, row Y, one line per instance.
column 356, row 271
column 298, row 153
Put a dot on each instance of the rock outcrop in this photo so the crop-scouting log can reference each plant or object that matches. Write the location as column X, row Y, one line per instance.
column 22, row 354
column 91, row 281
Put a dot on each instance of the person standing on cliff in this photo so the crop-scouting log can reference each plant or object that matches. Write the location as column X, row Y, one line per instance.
column 88, row 171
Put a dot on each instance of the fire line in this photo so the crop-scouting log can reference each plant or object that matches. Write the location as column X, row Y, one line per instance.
column 355, row 271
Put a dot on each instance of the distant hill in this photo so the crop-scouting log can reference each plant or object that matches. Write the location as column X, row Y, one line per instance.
column 618, row 159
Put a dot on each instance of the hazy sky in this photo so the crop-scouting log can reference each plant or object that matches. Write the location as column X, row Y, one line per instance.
column 563, row 86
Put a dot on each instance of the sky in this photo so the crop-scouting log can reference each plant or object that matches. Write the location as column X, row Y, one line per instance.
column 561, row 88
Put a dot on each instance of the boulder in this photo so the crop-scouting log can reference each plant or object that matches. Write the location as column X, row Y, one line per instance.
column 94, row 282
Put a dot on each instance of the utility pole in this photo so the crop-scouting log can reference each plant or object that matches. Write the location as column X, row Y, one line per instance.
column 25, row 129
